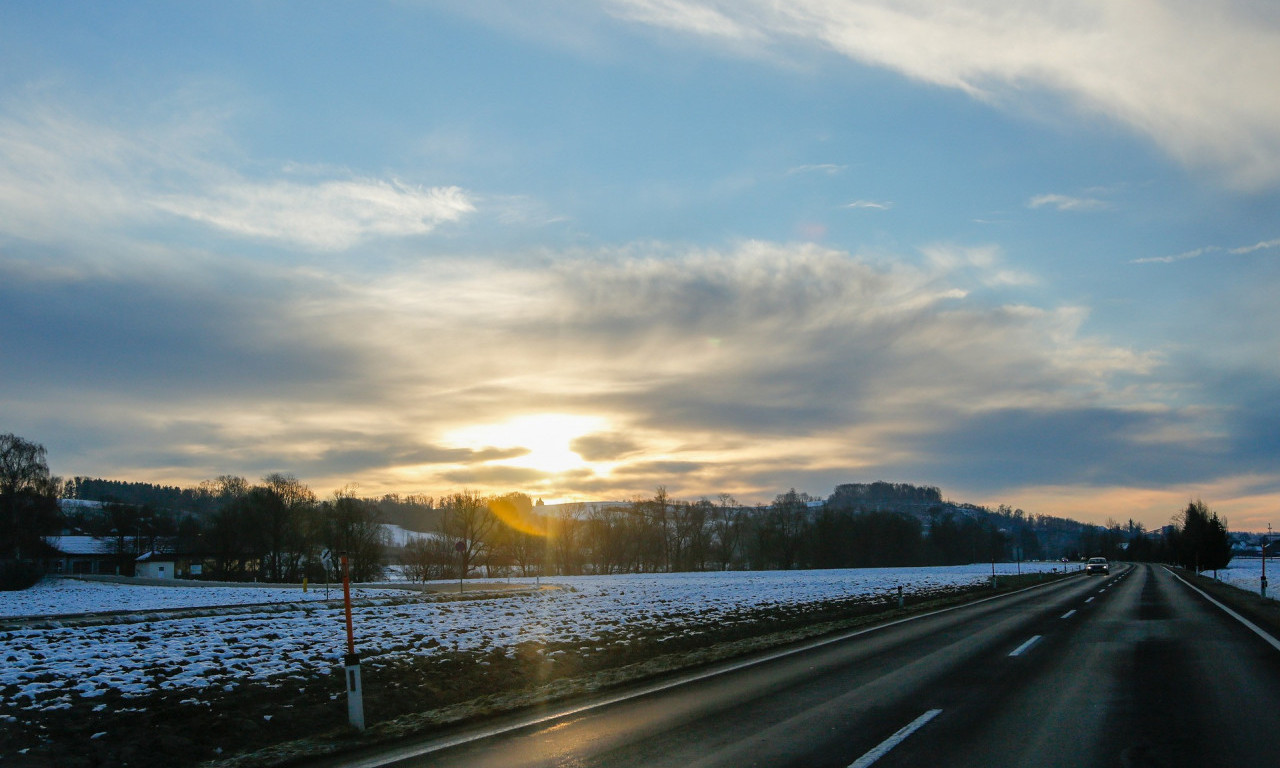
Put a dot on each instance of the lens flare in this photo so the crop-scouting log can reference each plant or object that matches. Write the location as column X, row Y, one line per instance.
column 530, row 522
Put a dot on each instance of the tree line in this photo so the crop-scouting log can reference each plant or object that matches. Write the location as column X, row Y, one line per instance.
column 278, row 530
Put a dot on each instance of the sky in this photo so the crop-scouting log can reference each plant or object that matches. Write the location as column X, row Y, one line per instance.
column 1026, row 252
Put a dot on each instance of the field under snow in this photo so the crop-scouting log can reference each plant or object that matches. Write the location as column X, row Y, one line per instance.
column 1246, row 573
column 48, row 666
column 55, row 597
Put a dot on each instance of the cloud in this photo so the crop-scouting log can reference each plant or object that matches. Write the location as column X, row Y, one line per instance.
column 1066, row 202
column 743, row 370
column 829, row 169
column 986, row 262
column 497, row 475
column 698, row 18
column 1194, row 80
column 65, row 177
column 1080, row 446
column 870, row 204
column 1264, row 245
column 1196, row 253
column 329, row 215
column 604, row 447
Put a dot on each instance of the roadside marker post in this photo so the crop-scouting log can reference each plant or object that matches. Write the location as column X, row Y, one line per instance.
column 1265, row 543
column 355, row 689
column 461, row 548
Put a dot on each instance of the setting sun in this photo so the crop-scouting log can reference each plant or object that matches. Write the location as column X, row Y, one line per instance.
column 546, row 438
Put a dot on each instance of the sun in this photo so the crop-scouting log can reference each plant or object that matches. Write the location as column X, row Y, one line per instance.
column 545, row 437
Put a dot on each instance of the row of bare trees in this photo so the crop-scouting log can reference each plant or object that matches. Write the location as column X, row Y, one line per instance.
column 273, row 531
column 509, row 534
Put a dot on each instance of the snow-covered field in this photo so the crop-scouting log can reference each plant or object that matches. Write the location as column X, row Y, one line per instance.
column 1246, row 573
column 48, row 667
column 71, row 596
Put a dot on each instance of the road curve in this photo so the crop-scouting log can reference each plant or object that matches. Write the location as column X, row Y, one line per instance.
column 1133, row 669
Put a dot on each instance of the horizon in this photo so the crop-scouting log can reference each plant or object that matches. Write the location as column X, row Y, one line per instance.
column 539, row 502
column 590, row 249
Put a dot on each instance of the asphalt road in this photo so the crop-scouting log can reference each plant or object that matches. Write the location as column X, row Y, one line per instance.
column 1131, row 669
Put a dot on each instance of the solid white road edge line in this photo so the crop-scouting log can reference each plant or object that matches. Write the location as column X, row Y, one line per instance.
column 403, row 753
column 1025, row 646
column 1259, row 631
column 1068, row 614
column 883, row 748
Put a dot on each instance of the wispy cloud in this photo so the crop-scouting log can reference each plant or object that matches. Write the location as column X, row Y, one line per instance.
column 869, row 205
column 695, row 17
column 1257, row 247
column 328, row 215
column 1197, row 84
column 1207, row 250
column 1066, row 202
column 829, row 169
column 57, row 167
column 984, row 263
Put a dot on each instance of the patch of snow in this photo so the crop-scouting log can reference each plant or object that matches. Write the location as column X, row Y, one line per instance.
column 399, row 537
column 57, row 596
column 1246, row 573
column 46, row 665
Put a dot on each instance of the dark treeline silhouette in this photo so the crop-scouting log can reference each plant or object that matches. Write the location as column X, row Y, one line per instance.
column 28, row 510
column 1199, row 540
column 139, row 494
column 277, row 529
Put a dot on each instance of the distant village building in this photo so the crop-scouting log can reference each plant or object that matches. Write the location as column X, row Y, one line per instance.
column 154, row 565
column 79, row 555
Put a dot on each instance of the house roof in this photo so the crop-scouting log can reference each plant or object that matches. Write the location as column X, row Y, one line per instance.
column 81, row 545
column 95, row 545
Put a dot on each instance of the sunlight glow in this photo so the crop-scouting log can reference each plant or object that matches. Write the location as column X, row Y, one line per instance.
column 545, row 436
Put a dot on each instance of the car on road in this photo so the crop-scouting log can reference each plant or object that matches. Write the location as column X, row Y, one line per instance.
column 1097, row 565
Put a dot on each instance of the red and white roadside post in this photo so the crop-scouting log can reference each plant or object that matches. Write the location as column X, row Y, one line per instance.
column 355, row 689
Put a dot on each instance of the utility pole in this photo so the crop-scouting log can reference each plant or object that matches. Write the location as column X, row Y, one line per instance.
column 355, row 689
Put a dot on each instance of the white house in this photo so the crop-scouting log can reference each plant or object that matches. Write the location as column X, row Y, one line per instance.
column 154, row 565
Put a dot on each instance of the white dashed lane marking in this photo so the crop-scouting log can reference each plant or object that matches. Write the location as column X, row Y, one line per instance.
column 903, row 733
column 1025, row 646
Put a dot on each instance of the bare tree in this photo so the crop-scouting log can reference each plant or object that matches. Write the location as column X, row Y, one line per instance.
column 565, row 540
column 727, row 523
column 28, row 498
column 282, row 504
column 352, row 528
column 468, row 519
column 427, row 559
